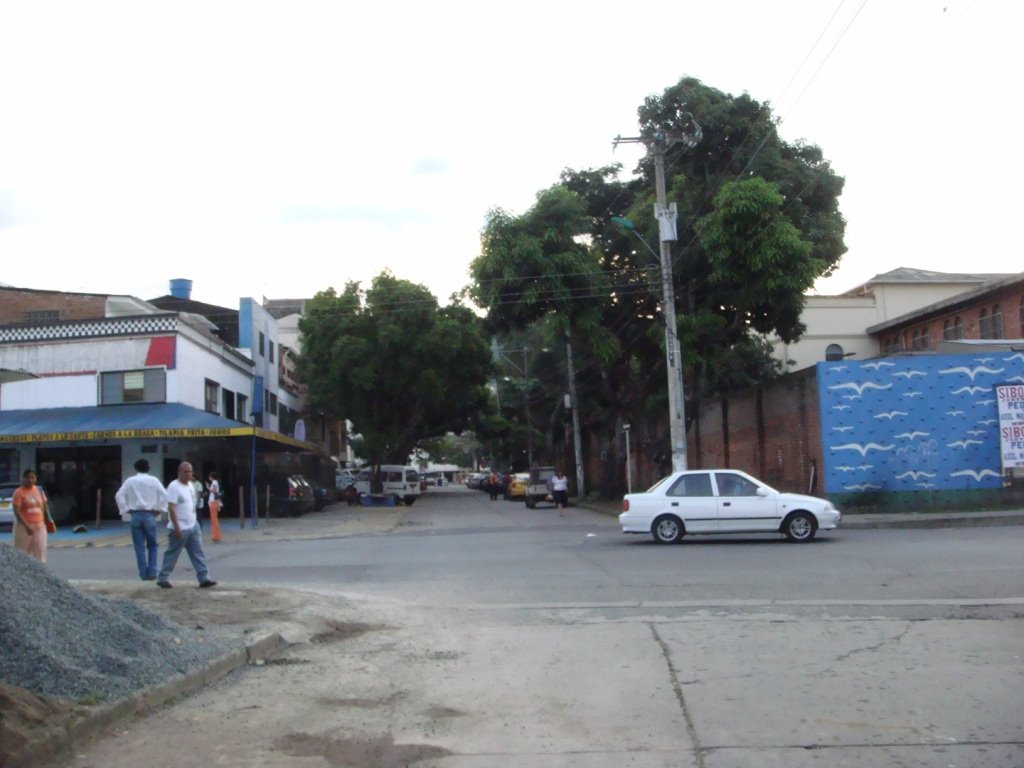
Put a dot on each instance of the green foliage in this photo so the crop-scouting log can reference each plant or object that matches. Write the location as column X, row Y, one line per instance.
column 759, row 263
column 460, row 450
column 397, row 365
column 758, row 223
column 540, row 265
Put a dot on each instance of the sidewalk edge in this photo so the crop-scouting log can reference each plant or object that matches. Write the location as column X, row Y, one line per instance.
column 57, row 743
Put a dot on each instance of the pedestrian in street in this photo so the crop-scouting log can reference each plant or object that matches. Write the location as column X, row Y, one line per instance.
column 493, row 485
column 143, row 500
column 560, row 490
column 213, row 504
column 184, row 531
column 32, row 519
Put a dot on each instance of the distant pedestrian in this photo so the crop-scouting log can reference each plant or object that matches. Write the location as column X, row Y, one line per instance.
column 184, row 531
column 32, row 517
column 213, row 504
column 560, row 491
column 493, row 485
column 142, row 497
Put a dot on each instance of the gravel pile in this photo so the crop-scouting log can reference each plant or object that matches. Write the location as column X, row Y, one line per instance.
column 58, row 641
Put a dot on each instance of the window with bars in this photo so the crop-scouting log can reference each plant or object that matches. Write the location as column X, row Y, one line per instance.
column 920, row 338
column 39, row 316
column 228, row 399
column 148, row 385
column 953, row 329
column 990, row 323
column 212, row 389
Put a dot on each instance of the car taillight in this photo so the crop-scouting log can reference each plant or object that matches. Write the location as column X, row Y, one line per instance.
column 291, row 493
column 625, row 505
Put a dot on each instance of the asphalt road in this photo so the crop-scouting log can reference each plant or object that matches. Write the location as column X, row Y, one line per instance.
column 503, row 636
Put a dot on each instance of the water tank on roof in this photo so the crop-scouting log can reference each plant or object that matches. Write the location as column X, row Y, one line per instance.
column 181, row 288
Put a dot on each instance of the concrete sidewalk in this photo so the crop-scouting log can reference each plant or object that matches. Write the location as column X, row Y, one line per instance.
column 333, row 521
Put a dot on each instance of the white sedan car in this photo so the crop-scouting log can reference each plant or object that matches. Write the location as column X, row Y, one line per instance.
column 723, row 501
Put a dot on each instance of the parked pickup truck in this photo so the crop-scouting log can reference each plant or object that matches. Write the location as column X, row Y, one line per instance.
column 538, row 487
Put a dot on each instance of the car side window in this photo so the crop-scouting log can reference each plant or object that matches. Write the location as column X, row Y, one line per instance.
column 730, row 484
column 698, row 484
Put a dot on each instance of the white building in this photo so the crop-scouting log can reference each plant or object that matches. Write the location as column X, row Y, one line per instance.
column 140, row 382
column 837, row 325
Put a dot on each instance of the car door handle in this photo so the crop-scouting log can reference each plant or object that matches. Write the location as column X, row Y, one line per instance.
column 675, row 503
column 726, row 503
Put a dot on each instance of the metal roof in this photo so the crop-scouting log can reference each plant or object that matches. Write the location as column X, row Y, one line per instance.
column 128, row 422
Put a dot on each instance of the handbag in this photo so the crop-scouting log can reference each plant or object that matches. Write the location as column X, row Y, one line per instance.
column 51, row 527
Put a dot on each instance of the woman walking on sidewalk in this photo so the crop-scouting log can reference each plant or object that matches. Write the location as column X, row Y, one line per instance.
column 213, row 489
column 31, row 517
column 560, row 491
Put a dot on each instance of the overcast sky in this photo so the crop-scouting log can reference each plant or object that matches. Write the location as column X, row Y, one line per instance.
column 279, row 148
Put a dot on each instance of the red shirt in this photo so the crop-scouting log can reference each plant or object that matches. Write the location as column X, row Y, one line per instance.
column 28, row 503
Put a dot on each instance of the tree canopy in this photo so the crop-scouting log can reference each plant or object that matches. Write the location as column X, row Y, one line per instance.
column 393, row 362
column 758, row 223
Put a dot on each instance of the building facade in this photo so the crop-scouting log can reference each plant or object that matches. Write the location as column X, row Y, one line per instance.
column 96, row 393
column 918, row 424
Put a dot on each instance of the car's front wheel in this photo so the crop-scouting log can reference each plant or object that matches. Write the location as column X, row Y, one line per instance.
column 667, row 529
column 800, row 526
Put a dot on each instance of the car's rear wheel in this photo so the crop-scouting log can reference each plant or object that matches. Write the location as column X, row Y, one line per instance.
column 667, row 529
column 530, row 503
column 800, row 526
column 410, row 500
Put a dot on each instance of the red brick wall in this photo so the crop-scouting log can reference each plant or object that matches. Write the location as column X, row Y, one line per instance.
column 774, row 434
column 16, row 302
column 1010, row 305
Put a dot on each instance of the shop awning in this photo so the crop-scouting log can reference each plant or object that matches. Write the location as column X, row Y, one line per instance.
column 129, row 422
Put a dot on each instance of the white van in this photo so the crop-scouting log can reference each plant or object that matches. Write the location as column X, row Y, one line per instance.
column 401, row 482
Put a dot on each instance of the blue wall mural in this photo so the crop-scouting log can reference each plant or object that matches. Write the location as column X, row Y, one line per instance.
column 913, row 423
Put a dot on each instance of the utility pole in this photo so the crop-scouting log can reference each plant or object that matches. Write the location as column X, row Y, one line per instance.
column 526, row 398
column 658, row 143
column 574, row 404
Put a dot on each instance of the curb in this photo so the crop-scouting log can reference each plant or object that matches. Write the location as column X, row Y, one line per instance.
column 57, row 743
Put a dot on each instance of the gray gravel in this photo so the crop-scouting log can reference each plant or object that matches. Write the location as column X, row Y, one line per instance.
column 59, row 641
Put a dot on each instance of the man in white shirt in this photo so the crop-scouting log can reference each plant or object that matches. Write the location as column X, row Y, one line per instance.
column 142, row 499
column 183, row 530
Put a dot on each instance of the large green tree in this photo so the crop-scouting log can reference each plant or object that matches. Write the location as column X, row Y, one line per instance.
column 758, row 223
column 397, row 365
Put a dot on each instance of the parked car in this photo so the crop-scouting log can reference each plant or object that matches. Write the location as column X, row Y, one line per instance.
column 476, row 480
column 401, row 482
column 321, row 496
column 517, row 486
column 343, row 478
column 538, row 486
column 6, row 507
column 711, row 501
column 290, row 496
column 61, row 509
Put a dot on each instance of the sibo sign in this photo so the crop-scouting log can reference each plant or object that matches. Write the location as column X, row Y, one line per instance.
column 1010, row 399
